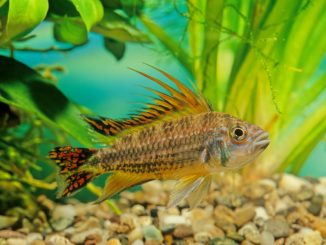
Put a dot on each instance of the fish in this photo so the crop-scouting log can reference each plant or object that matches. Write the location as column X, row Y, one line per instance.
column 178, row 136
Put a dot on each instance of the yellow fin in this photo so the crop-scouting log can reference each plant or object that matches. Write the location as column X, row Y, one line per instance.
column 171, row 102
column 183, row 188
column 118, row 182
column 200, row 192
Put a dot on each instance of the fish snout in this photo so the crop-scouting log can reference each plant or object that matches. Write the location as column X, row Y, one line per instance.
column 262, row 140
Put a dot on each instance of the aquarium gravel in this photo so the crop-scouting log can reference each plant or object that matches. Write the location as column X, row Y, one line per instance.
column 283, row 209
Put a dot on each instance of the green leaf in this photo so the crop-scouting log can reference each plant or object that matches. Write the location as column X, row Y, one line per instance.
column 112, row 4
column 62, row 8
column 23, row 88
column 70, row 30
column 132, row 7
column 23, row 15
column 2, row 2
column 91, row 11
column 168, row 42
column 116, row 48
column 116, row 27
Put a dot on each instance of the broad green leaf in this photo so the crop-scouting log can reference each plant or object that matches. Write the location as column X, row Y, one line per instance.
column 22, row 87
column 214, row 14
column 91, row 11
column 2, row 2
column 116, row 48
column 70, row 30
column 23, row 15
column 116, row 27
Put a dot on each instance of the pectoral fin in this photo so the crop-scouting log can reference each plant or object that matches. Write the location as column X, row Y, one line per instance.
column 118, row 182
column 183, row 188
column 200, row 192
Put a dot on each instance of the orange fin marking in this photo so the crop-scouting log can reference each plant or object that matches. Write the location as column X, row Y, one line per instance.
column 69, row 158
column 75, row 182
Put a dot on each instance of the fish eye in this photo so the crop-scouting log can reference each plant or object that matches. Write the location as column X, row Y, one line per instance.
column 238, row 133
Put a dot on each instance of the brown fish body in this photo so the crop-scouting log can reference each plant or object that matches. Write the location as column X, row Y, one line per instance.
column 177, row 137
column 168, row 150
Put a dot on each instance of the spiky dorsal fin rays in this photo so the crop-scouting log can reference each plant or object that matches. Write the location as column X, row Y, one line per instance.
column 165, row 106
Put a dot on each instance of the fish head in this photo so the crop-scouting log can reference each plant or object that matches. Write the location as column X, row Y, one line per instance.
column 241, row 143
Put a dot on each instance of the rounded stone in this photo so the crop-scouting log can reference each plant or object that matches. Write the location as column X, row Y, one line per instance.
column 182, row 231
column 244, row 215
column 250, row 232
column 152, row 233
column 113, row 241
column 278, row 227
column 267, row 238
column 203, row 237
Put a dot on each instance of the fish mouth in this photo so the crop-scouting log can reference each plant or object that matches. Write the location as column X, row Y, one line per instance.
column 261, row 141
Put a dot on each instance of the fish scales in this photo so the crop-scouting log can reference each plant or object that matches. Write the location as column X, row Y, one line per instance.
column 164, row 147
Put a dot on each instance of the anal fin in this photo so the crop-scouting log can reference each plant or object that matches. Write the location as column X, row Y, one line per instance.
column 118, row 182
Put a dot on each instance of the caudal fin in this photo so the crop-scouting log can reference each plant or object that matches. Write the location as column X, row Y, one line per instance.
column 72, row 176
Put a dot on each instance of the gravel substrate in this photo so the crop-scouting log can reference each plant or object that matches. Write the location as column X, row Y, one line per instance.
column 281, row 210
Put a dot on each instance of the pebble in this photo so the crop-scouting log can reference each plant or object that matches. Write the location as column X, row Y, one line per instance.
column 37, row 242
column 93, row 239
column 320, row 189
column 278, row 227
column 250, row 232
column 11, row 234
column 260, row 217
column 62, row 216
column 138, row 210
column 222, row 241
column 203, row 237
column 135, row 234
column 305, row 238
column 152, row 233
column 57, row 240
column 80, row 237
column 113, row 241
column 316, row 205
column 284, row 205
column 293, row 183
column 246, row 242
column 244, row 215
column 33, row 236
column 261, row 213
column 235, row 236
column 226, row 225
column 169, row 220
column 267, row 238
column 138, row 242
column 303, row 195
column 16, row 241
column 223, row 219
column 183, row 231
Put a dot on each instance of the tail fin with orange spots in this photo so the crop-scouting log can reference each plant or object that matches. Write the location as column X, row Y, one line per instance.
column 72, row 176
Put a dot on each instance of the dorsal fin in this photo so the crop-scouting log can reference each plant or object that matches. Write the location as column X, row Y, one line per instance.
column 182, row 101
